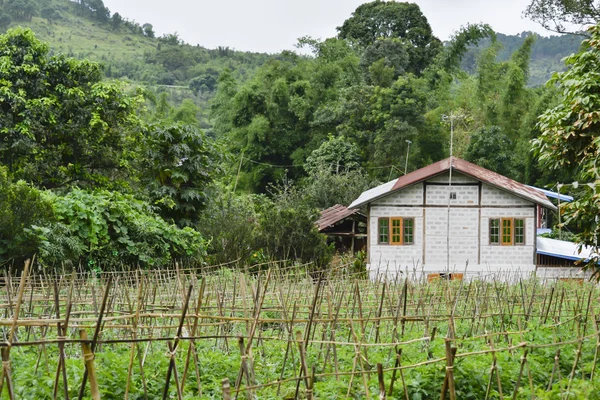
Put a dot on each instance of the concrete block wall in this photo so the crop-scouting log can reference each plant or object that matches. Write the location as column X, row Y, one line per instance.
column 507, row 207
column 440, row 195
column 492, row 196
column 463, row 236
column 469, row 228
column 412, row 195
column 394, row 256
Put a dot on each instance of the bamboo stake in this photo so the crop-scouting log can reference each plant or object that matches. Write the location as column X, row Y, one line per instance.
column 88, row 358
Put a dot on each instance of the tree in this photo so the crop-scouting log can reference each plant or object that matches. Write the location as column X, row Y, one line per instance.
column 337, row 155
column 287, row 228
column 50, row 13
column 570, row 139
column 390, row 19
column 564, row 16
column 116, row 21
column 492, row 149
column 60, row 124
column 177, row 162
column 384, row 61
column 148, row 30
column 114, row 229
column 5, row 21
column 22, row 207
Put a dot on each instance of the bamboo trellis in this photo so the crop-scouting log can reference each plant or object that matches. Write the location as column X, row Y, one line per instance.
column 367, row 336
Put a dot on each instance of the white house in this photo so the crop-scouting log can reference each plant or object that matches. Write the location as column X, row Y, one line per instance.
column 451, row 216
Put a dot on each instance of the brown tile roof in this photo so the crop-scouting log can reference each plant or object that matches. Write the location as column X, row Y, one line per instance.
column 465, row 168
column 333, row 215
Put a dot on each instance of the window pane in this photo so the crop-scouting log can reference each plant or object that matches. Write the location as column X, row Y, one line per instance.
column 384, row 230
column 396, row 230
column 507, row 231
column 494, row 231
column 408, row 231
column 519, row 231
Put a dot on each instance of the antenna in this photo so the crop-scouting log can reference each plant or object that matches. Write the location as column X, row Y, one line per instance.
column 450, row 118
column 407, row 152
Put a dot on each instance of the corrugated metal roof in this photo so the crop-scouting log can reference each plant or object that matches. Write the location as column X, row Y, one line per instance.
column 465, row 168
column 554, row 195
column 562, row 249
column 372, row 194
column 333, row 215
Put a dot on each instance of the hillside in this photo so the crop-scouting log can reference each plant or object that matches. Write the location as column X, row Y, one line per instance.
column 546, row 55
column 127, row 49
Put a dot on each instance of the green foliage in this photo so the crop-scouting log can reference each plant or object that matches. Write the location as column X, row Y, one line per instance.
column 115, row 228
column 22, row 207
column 60, row 123
column 491, row 148
column 390, row 19
column 288, row 230
column 569, row 138
column 336, row 156
column 384, row 61
column 176, row 163
column 564, row 15
column 231, row 223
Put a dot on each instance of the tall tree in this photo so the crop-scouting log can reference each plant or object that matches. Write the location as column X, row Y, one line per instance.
column 177, row 163
column 570, row 138
column 390, row 19
column 564, row 16
column 60, row 124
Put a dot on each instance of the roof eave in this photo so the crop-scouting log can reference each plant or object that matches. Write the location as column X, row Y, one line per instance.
column 547, row 203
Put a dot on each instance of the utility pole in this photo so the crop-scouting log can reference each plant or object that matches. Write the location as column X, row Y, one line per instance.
column 407, row 152
column 450, row 118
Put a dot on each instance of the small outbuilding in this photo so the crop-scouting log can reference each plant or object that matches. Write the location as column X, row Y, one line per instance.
column 346, row 228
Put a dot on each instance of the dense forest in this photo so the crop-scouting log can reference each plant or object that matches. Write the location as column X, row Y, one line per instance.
column 213, row 156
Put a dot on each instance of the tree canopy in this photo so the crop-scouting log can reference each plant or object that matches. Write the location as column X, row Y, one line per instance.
column 388, row 20
column 570, row 138
column 564, row 16
column 60, row 123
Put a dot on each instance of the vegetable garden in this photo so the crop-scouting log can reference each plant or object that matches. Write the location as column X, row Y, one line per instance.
column 279, row 332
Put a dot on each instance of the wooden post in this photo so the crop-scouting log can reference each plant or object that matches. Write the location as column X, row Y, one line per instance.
column 449, row 379
column 96, row 332
column 88, row 358
column 381, row 381
column 226, row 389
column 523, row 361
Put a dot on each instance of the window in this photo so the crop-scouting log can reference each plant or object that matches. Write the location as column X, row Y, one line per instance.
column 519, row 231
column 384, row 230
column 507, row 231
column 494, row 231
column 396, row 231
column 408, row 230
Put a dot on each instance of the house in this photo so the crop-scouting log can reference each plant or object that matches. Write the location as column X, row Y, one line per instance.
column 346, row 228
column 450, row 217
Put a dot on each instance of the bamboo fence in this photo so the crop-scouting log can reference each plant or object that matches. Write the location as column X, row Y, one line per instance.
column 363, row 337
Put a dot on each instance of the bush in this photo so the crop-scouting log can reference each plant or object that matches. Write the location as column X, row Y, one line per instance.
column 288, row 230
column 231, row 223
column 21, row 207
column 112, row 229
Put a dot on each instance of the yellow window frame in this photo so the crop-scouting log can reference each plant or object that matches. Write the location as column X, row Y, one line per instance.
column 396, row 230
column 507, row 231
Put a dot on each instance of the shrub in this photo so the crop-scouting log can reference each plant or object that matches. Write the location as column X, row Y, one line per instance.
column 21, row 207
column 116, row 229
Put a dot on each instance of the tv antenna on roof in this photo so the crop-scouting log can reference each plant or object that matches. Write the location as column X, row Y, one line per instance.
column 452, row 117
